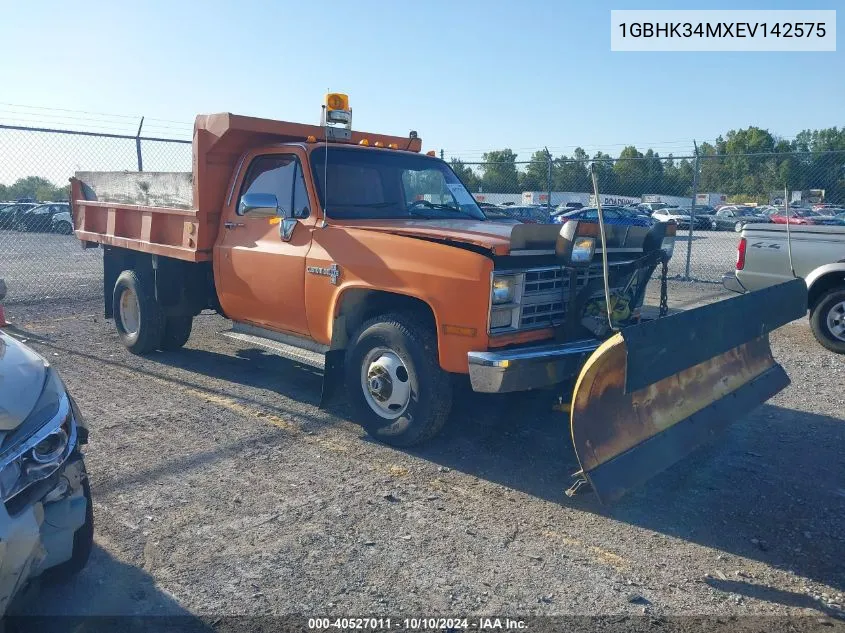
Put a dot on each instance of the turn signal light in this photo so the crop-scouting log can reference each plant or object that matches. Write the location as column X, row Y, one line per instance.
column 363, row 141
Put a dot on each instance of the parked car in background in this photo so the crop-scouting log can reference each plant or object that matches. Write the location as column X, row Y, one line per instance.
column 529, row 214
column 10, row 215
column 735, row 217
column 497, row 214
column 612, row 215
column 824, row 207
column 673, row 214
column 651, row 207
column 703, row 219
column 40, row 217
column 569, row 206
column 804, row 217
column 46, row 518
column 62, row 223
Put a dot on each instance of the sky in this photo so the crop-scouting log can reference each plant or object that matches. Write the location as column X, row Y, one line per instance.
column 468, row 75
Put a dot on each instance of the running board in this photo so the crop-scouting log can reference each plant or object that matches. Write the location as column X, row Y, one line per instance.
column 291, row 352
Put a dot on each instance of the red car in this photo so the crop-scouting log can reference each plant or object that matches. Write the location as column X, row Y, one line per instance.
column 796, row 216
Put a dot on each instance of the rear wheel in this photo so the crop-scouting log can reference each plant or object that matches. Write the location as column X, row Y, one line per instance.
column 138, row 318
column 395, row 382
column 738, row 227
column 177, row 331
column 827, row 319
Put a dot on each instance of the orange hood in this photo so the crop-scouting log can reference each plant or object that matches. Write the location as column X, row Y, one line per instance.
column 492, row 235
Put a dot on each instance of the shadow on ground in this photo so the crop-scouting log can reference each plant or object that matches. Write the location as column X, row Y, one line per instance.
column 127, row 600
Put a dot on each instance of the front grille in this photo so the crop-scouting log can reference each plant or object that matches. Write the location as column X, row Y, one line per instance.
column 537, row 281
column 545, row 294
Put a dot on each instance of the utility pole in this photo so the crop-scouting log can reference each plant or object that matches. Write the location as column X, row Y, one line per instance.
column 138, row 146
column 695, row 170
column 549, row 176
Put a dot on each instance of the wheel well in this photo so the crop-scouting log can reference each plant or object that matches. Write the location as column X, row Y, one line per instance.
column 182, row 288
column 823, row 284
column 359, row 305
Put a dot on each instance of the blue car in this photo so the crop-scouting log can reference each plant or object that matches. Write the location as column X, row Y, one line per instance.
column 612, row 215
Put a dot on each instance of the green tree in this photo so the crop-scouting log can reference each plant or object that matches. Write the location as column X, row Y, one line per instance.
column 35, row 187
column 629, row 173
column 498, row 173
column 465, row 173
column 572, row 174
column 604, row 174
column 536, row 174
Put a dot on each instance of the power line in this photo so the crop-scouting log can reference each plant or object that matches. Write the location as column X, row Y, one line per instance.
column 98, row 114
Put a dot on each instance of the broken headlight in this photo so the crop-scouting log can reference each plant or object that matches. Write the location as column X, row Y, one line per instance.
column 42, row 443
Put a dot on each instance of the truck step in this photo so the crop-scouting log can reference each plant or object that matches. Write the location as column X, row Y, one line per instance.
column 297, row 354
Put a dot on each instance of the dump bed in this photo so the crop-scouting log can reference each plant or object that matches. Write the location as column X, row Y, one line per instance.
column 177, row 214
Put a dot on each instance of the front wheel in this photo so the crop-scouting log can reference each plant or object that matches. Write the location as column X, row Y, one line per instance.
column 137, row 316
column 827, row 320
column 714, row 225
column 395, row 382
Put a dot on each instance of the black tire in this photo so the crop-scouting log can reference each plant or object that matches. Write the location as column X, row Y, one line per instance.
column 148, row 335
column 415, row 344
column 83, row 543
column 64, row 228
column 177, row 331
column 738, row 227
column 819, row 314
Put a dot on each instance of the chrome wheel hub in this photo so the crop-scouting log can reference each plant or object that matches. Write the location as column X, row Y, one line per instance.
column 130, row 311
column 836, row 320
column 385, row 382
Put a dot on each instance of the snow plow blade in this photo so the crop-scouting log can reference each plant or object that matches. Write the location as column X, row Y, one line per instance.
column 656, row 391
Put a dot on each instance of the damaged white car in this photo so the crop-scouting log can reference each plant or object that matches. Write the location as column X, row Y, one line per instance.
column 46, row 519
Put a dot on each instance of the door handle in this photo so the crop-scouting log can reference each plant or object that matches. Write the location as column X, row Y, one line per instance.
column 232, row 225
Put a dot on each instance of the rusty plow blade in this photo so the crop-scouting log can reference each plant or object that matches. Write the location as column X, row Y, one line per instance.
column 656, row 391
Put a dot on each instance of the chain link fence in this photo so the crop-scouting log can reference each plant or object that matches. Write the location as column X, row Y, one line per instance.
column 710, row 195
column 40, row 258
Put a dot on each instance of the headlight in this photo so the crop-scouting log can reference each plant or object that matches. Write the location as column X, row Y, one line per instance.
column 504, row 289
column 41, row 444
column 582, row 250
column 668, row 245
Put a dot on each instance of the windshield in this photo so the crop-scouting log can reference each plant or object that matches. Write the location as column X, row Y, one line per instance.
column 389, row 184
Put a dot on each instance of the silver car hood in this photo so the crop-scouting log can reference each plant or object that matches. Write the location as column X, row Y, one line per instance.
column 22, row 375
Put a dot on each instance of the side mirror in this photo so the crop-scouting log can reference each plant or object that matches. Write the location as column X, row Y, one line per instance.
column 260, row 205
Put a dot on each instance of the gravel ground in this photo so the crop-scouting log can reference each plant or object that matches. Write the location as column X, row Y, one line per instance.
column 221, row 488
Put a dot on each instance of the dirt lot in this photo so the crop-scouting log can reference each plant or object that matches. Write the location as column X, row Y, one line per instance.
column 221, row 488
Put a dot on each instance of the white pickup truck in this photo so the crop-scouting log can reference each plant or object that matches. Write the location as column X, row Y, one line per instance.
column 817, row 255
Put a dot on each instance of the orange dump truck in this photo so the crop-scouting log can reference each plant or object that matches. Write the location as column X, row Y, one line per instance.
column 354, row 252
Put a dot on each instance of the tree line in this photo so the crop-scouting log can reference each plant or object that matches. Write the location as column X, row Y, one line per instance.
column 750, row 163
column 34, row 187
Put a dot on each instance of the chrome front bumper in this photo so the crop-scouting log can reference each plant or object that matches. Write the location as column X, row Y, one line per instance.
column 523, row 368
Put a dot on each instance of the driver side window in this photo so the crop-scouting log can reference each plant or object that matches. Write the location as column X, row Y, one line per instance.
column 281, row 175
